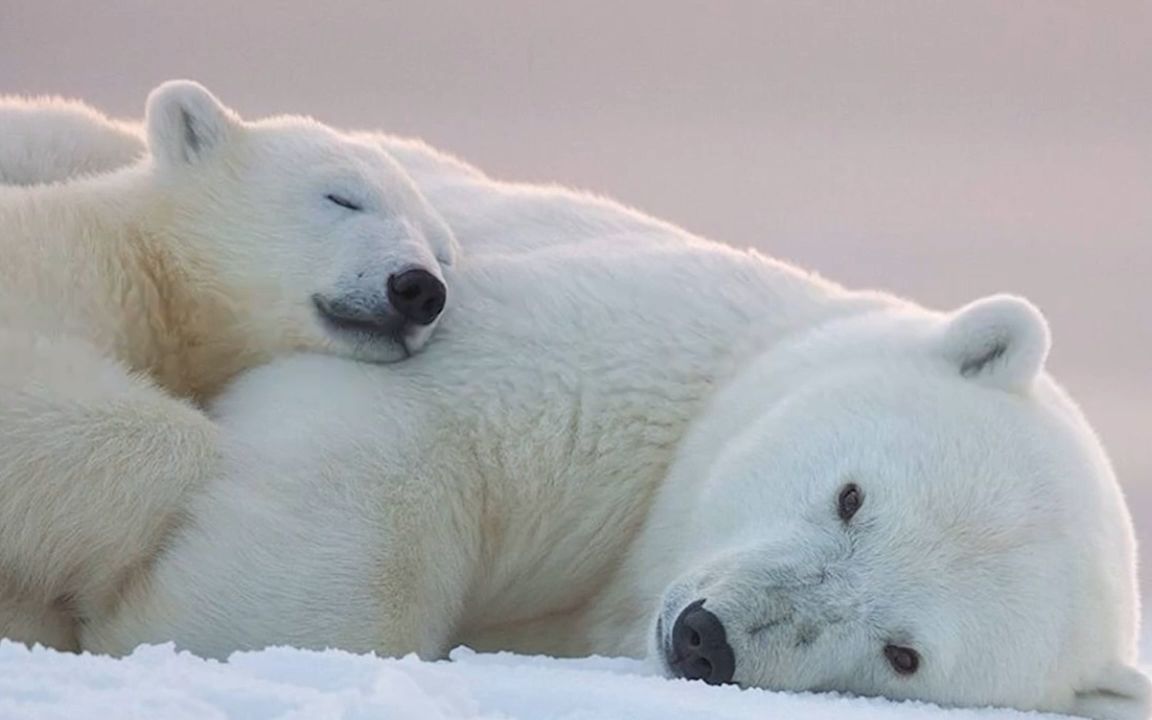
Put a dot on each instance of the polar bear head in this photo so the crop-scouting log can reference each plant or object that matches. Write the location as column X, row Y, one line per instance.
column 319, row 241
column 906, row 507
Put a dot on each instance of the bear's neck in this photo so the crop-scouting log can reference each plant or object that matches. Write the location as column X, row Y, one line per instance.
column 643, row 358
column 186, row 331
column 92, row 258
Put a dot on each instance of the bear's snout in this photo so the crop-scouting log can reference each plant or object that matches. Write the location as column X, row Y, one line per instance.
column 417, row 295
column 699, row 648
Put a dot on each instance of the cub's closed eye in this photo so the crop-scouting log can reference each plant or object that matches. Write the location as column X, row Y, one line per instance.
column 849, row 501
column 344, row 202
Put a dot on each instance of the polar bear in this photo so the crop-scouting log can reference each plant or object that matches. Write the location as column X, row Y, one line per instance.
column 644, row 443
column 49, row 139
column 127, row 298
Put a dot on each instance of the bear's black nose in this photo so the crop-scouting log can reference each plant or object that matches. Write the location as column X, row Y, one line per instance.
column 699, row 649
column 417, row 295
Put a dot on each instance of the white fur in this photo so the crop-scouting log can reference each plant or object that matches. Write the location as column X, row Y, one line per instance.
column 617, row 419
column 127, row 294
column 49, row 139
column 490, row 491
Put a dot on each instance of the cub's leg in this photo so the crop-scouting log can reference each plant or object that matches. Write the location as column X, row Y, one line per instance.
column 95, row 464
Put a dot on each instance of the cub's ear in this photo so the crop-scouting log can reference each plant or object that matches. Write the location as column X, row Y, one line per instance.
column 186, row 123
column 1123, row 693
column 1001, row 340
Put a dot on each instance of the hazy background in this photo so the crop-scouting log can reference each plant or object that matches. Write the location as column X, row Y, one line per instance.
column 942, row 150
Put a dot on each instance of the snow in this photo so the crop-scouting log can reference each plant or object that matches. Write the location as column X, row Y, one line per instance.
column 158, row 683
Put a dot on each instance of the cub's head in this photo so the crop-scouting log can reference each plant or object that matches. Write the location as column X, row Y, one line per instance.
column 319, row 242
column 906, row 507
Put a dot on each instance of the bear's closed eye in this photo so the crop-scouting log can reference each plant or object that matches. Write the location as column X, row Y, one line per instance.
column 344, row 202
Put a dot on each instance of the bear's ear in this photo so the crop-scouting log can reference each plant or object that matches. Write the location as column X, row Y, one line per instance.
column 1123, row 693
column 186, row 123
column 1001, row 340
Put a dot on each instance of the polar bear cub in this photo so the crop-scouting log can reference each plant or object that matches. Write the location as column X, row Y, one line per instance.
column 125, row 295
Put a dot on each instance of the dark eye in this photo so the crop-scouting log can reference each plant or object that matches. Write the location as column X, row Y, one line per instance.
column 905, row 661
column 345, row 202
column 850, row 500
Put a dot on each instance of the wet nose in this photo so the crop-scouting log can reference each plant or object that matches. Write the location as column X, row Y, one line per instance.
column 417, row 295
column 699, row 649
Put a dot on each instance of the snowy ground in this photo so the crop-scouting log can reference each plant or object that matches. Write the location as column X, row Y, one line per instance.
column 159, row 684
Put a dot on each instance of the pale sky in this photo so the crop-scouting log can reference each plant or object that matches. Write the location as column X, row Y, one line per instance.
column 942, row 150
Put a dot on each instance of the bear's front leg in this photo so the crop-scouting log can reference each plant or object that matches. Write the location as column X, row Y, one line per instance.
column 318, row 533
column 265, row 562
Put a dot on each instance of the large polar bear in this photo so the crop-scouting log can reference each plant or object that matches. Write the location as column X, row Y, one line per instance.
column 631, row 441
column 126, row 295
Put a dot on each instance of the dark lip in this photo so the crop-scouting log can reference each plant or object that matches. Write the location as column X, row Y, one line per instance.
column 662, row 647
column 362, row 329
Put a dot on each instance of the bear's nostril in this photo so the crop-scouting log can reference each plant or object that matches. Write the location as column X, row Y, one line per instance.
column 699, row 648
column 408, row 291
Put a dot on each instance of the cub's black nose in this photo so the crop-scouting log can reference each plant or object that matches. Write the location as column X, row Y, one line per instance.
column 417, row 295
column 699, row 649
